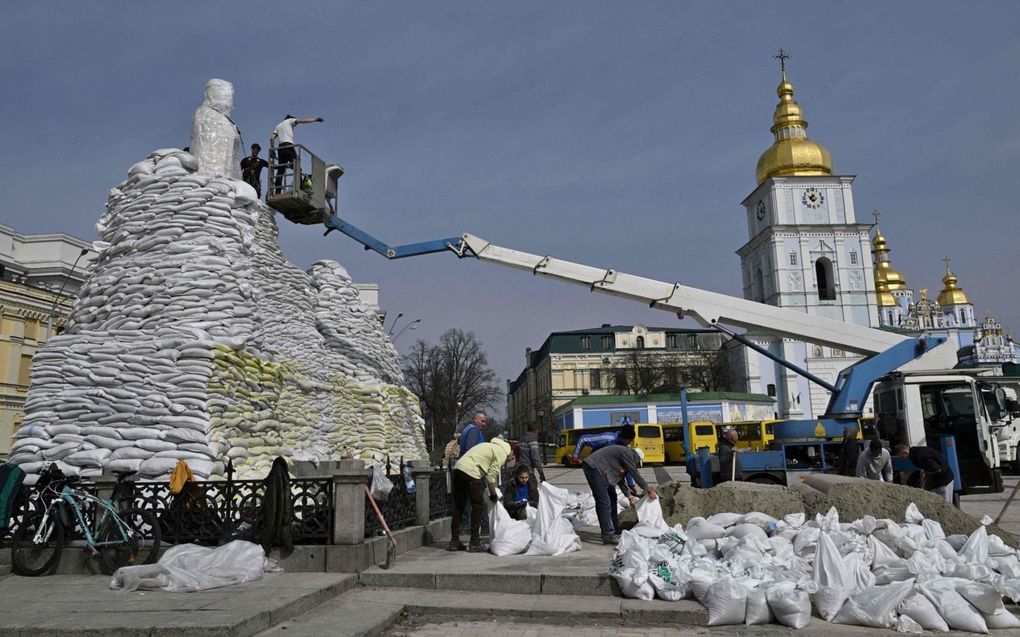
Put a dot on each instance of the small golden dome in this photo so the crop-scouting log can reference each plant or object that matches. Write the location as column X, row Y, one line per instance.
column 884, row 272
column 885, row 298
column 950, row 294
column 792, row 154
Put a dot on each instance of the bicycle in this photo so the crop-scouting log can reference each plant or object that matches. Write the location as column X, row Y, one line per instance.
column 120, row 537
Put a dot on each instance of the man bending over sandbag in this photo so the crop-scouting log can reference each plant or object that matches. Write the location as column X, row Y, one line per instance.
column 604, row 469
column 481, row 461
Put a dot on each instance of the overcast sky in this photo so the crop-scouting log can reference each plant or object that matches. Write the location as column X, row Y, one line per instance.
column 614, row 134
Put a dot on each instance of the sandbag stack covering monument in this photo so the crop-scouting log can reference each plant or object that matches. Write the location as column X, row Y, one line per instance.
column 195, row 339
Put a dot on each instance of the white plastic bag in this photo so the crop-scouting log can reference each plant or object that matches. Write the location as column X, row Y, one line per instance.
column 189, row 568
column 727, row 602
column 509, row 536
column 975, row 549
column 630, row 566
column 381, row 485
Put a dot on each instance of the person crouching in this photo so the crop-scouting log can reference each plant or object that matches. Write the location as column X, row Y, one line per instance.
column 520, row 493
column 481, row 461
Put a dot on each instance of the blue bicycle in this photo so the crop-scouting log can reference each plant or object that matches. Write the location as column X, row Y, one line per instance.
column 120, row 536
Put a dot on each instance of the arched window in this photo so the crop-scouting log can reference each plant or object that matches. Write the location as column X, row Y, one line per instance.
column 889, row 322
column 771, row 389
column 824, row 280
column 641, row 342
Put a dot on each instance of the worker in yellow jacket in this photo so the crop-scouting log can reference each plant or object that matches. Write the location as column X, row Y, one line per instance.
column 481, row 462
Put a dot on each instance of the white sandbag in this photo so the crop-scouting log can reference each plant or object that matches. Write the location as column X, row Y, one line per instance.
column 649, row 514
column 701, row 584
column 745, row 530
column 957, row 611
column 725, row 519
column 670, row 590
column 158, row 466
column 727, row 602
column 1001, row 619
column 906, row 625
column 552, row 533
column 189, row 568
column 920, row 609
column 509, row 536
column 705, row 531
column 630, row 565
column 981, row 596
column 913, row 515
column 874, row 607
column 975, row 549
column 835, row 583
column 757, row 609
column 764, row 520
column 791, row 606
column 92, row 458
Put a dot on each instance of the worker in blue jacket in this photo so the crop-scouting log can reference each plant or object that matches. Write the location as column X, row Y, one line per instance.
column 625, row 436
column 473, row 432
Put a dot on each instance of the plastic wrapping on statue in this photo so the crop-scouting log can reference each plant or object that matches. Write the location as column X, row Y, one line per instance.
column 215, row 139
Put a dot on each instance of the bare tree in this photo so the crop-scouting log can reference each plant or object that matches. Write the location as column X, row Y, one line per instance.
column 644, row 372
column 451, row 379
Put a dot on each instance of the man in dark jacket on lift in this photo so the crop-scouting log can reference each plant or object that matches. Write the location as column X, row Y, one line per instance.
column 849, row 452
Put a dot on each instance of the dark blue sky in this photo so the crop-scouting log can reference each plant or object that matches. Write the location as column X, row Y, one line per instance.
column 615, row 134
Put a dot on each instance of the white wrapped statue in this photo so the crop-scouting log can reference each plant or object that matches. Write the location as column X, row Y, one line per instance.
column 215, row 139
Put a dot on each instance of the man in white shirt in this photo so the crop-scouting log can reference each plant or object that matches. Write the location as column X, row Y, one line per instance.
column 284, row 132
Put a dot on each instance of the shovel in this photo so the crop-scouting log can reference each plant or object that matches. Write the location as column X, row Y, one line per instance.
column 391, row 544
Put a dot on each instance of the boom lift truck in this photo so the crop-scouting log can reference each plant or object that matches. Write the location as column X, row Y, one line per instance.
column 916, row 405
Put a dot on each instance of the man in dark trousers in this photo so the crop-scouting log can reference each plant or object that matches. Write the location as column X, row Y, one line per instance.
column 283, row 138
column 471, row 435
column 483, row 462
column 937, row 475
column 729, row 463
column 604, row 470
column 849, row 452
column 251, row 169
column 531, row 454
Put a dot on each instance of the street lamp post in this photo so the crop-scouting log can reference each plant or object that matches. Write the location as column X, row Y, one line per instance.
column 60, row 292
column 410, row 326
column 394, row 323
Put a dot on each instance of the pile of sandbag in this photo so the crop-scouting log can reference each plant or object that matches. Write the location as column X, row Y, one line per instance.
column 195, row 339
column 545, row 531
column 755, row 569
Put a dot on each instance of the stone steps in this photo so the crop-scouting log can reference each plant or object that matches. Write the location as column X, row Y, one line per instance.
column 367, row 611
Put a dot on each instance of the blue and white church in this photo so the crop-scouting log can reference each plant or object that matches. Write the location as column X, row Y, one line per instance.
column 806, row 250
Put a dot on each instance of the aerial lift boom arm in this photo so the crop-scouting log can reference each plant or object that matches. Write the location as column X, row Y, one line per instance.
column 711, row 309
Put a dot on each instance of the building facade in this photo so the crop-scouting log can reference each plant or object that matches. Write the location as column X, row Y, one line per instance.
column 39, row 276
column 605, row 361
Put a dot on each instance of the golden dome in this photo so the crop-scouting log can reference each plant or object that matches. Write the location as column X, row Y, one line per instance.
column 792, row 154
column 950, row 294
column 885, row 275
column 885, row 298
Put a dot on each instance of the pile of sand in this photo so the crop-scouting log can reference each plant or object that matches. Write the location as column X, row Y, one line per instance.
column 854, row 498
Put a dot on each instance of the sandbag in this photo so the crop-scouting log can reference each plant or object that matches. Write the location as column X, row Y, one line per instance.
column 649, row 514
column 189, row 568
column 791, row 606
column 509, row 536
column 835, row 583
column 727, row 602
column 874, row 607
column 1001, row 619
column 552, row 534
column 757, row 609
column 957, row 611
column 920, row 609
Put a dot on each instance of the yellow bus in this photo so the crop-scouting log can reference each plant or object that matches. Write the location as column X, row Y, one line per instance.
column 673, row 434
column 751, row 434
column 649, row 439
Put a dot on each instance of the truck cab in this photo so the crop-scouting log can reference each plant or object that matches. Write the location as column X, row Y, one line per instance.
column 1002, row 400
column 917, row 409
